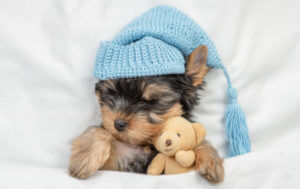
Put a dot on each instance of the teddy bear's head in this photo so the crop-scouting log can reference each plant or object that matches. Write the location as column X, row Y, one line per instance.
column 179, row 134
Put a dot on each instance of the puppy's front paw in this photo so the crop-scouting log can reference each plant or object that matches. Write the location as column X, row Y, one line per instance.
column 82, row 165
column 90, row 151
column 209, row 164
column 210, row 169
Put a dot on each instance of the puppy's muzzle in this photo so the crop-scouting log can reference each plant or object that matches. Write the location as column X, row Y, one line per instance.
column 120, row 125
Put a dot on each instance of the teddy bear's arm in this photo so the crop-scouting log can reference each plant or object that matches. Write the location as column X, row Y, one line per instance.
column 157, row 165
column 185, row 158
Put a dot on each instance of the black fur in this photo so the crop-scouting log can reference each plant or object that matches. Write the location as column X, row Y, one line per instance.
column 141, row 162
column 127, row 94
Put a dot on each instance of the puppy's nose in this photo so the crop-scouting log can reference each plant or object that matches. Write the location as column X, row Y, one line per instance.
column 168, row 142
column 120, row 124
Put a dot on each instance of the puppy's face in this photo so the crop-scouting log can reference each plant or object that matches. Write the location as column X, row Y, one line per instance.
column 133, row 109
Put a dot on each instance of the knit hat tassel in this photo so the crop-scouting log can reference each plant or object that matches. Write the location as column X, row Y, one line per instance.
column 236, row 125
column 156, row 43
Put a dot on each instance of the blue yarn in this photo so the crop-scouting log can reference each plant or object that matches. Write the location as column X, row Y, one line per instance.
column 156, row 43
column 236, row 125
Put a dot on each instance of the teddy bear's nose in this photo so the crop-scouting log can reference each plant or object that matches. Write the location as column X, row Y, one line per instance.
column 168, row 142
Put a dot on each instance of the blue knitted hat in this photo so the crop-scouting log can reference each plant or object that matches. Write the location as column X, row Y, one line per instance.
column 156, row 43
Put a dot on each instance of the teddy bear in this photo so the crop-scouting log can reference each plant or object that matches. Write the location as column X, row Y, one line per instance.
column 175, row 145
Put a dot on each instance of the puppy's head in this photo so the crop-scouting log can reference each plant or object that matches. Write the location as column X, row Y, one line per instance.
column 134, row 108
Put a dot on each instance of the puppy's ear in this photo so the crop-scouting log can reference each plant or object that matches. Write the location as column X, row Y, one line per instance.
column 196, row 65
column 97, row 91
column 200, row 132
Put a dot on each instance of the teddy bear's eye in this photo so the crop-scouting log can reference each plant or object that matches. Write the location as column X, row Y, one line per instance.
column 178, row 134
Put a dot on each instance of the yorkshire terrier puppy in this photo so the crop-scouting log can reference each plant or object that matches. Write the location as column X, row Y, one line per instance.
column 133, row 110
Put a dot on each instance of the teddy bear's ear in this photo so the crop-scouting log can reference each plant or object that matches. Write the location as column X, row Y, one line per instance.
column 200, row 132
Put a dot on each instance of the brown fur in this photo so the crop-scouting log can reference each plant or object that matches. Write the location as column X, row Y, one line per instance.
column 118, row 150
column 176, row 110
column 196, row 66
column 90, row 151
column 208, row 163
column 152, row 89
column 97, row 149
column 140, row 130
column 106, row 148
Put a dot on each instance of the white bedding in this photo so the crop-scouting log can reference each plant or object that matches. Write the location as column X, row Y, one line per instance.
column 47, row 52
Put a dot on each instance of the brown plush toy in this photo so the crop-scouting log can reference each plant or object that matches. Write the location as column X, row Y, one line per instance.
column 176, row 142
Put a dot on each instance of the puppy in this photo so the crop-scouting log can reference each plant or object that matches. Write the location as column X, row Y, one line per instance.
column 133, row 110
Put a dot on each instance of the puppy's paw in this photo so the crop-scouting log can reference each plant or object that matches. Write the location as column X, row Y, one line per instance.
column 82, row 165
column 210, row 169
column 208, row 163
column 90, row 151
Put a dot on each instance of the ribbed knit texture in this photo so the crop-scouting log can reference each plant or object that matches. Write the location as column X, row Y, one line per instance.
column 156, row 43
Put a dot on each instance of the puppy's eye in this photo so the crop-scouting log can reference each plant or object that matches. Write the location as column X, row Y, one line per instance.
column 178, row 134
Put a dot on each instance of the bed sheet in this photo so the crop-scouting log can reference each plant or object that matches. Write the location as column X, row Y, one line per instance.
column 47, row 53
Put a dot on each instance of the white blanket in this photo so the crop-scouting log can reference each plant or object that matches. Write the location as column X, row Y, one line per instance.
column 47, row 53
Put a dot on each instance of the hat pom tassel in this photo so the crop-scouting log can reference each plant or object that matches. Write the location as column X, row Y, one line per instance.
column 236, row 126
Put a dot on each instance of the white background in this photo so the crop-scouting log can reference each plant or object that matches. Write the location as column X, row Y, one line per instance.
column 47, row 53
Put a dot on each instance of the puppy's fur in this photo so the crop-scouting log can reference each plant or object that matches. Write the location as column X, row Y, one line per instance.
column 142, row 104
